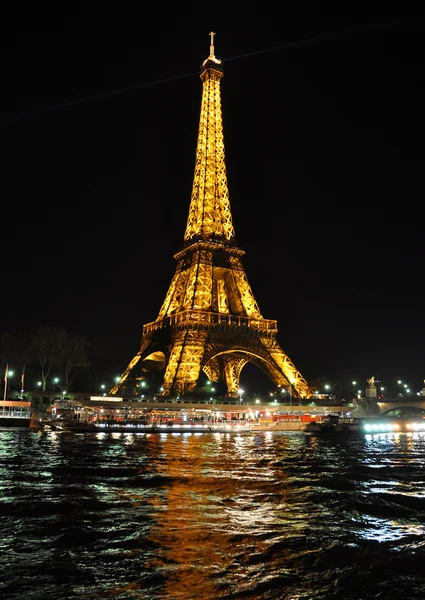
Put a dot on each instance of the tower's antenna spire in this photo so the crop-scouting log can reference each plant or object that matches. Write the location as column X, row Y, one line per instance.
column 211, row 56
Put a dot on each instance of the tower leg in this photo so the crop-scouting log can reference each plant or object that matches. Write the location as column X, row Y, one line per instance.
column 231, row 374
column 144, row 344
column 184, row 364
column 212, row 370
column 287, row 369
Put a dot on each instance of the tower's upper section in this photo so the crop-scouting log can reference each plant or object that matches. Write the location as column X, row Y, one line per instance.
column 209, row 213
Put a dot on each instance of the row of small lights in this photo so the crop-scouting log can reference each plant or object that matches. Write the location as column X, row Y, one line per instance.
column 408, row 390
column 240, row 391
column 257, row 401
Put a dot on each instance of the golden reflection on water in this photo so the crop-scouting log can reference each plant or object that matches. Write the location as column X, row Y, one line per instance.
column 205, row 510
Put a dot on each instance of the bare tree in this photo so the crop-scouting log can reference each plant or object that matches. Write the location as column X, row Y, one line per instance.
column 48, row 346
column 75, row 358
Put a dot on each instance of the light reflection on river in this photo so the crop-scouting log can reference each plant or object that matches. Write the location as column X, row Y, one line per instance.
column 267, row 515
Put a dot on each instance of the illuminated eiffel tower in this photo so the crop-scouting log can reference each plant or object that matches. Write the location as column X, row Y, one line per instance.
column 209, row 321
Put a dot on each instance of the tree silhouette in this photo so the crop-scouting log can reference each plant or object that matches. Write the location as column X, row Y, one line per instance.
column 47, row 346
column 74, row 357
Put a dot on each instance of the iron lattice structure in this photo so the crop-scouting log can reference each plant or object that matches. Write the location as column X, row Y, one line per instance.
column 209, row 321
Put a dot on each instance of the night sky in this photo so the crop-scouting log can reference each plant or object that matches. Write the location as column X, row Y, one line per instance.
column 324, row 138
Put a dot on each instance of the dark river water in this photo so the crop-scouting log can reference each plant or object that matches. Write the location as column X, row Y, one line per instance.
column 212, row 515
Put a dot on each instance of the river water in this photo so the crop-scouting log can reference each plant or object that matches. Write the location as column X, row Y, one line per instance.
column 267, row 515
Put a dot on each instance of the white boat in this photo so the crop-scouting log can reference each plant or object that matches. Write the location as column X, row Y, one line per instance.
column 15, row 413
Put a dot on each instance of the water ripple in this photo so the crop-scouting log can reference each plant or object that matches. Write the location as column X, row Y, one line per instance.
column 211, row 516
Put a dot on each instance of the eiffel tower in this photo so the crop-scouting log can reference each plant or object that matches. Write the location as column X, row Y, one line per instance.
column 209, row 321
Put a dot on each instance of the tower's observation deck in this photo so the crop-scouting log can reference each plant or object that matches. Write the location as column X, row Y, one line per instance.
column 214, row 322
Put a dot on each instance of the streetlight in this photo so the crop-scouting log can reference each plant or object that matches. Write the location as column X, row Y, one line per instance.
column 328, row 389
column 240, row 392
column 22, row 382
column 402, row 393
column 7, row 374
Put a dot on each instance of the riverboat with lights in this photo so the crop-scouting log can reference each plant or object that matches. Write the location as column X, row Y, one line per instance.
column 176, row 426
column 403, row 419
column 15, row 413
column 336, row 425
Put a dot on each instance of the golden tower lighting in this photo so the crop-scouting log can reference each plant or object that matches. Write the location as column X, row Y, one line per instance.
column 209, row 321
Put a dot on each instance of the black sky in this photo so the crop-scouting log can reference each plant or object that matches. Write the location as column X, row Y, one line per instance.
column 324, row 136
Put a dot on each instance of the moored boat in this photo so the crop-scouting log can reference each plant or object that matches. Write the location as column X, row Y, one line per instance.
column 335, row 425
column 15, row 413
